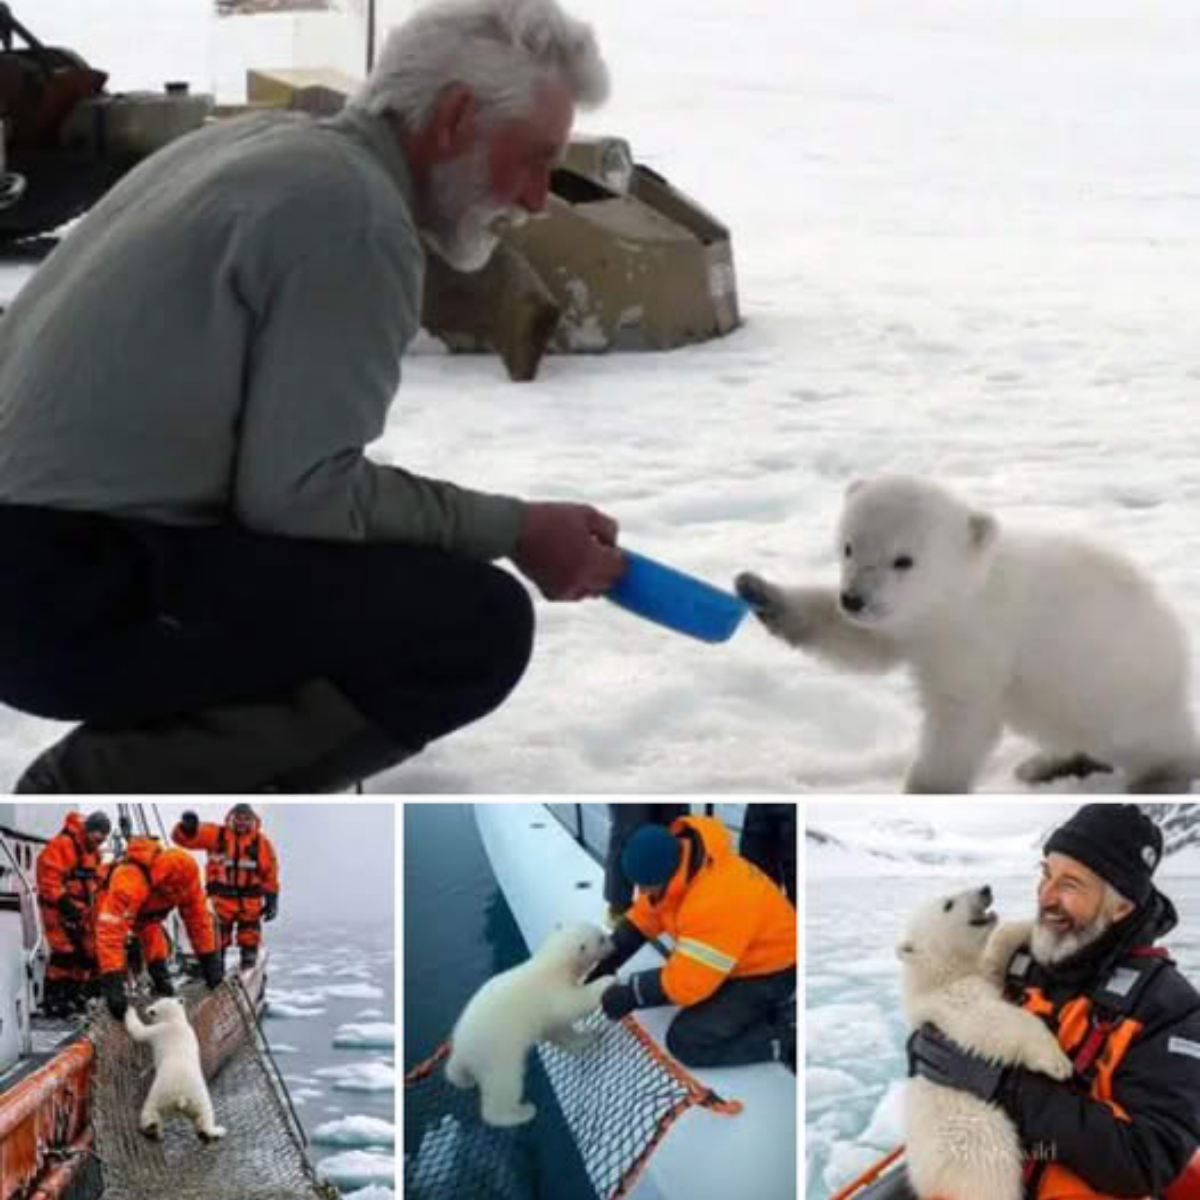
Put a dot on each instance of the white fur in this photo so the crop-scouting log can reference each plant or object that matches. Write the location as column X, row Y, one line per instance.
column 1056, row 638
column 537, row 1000
column 179, row 1084
column 958, row 1146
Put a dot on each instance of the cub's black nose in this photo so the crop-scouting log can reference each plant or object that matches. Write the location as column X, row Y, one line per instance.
column 852, row 602
column 985, row 894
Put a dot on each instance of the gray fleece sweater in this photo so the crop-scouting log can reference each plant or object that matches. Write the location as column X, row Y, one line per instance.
column 221, row 336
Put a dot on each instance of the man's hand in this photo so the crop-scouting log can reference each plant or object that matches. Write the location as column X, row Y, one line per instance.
column 189, row 824
column 619, row 1001
column 568, row 550
column 72, row 912
column 270, row 906
column 112, row 988
column 935, row 1057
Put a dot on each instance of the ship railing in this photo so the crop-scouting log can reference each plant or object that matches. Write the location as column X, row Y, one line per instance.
column 30, row 921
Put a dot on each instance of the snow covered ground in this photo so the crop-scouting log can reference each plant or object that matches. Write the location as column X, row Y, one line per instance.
column 855, row 1031
column 965, row 238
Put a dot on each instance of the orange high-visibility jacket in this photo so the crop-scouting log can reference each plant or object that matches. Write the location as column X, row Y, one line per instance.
column 728, row 920
column 143, row 889
column 237, row 867
column 67, row 867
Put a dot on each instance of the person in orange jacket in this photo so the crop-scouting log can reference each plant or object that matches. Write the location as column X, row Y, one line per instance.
column 242, row 874
column 144, row 888
column 67, row 881
column 733, row 967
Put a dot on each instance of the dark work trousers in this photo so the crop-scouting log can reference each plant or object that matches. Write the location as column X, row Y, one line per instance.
column 769, row 842
column 737, row 1025
column 116, row 622
column 623, row 820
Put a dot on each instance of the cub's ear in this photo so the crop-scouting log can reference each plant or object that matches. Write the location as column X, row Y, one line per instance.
column 982, row 528
column 906, row 950
column 855, row 485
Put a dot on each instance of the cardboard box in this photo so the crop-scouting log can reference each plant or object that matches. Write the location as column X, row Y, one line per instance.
column 319, row 90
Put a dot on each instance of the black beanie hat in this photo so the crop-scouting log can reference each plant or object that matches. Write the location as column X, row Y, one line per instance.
column 1117, row 841
column 98, row 822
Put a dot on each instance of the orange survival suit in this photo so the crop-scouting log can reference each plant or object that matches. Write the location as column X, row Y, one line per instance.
column 733, row 966
column 66, row 887
column 241, row 875
column 143, row 889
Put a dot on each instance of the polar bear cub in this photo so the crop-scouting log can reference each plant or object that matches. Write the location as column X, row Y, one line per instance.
column 537, row 1000
column 179, row 1084
column 1060, row 640
column 958, row 1146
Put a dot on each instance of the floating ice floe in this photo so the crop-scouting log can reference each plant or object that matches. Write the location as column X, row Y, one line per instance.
column 358, row 1168
column 365, row 1036
column 371, row 1193
column 361, row 1077
column 283, row 1048
column 310, row 969
column 370, row 1013
column 353, row 991
column 278, row 1009
column 356, row 1131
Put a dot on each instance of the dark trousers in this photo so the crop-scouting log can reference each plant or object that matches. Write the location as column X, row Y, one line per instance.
column 118, row 622
column 738, row 1025
column 623, row 820
column 769, row 842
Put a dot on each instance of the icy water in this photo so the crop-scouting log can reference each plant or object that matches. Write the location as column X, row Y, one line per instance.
column 856, row 1032
column 336, row 981
column 458, row 932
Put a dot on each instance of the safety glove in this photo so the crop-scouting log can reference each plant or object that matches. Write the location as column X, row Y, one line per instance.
column 70, row 908
column 271, row 906
column 212, row 968
column 160, row 978
column 933, row 1056
column 643, row 990
column 189, row 823
column 112, row 988
column 627, row 940
column 618, row 1001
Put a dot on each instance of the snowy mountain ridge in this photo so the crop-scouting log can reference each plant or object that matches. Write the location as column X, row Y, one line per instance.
column 910, row 846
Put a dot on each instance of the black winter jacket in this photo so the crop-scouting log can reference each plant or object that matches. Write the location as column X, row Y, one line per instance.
column 1157, row 1083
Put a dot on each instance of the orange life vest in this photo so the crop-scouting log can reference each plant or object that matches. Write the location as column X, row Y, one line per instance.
column 1095, row 1031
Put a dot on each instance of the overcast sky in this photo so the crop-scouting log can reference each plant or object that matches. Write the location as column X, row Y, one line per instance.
column 336, row 858
column 971, row 814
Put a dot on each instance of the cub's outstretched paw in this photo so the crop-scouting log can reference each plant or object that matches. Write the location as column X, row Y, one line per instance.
column 757, row 592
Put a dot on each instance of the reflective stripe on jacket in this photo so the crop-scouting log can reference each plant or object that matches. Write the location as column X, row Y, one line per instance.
column 728, row 920
column 237, row 867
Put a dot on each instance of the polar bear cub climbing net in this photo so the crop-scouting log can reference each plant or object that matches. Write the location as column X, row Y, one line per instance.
column 262, row 1155
column 619, row 1097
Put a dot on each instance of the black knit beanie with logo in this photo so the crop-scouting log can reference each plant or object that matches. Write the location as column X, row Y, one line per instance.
column 1117, row 841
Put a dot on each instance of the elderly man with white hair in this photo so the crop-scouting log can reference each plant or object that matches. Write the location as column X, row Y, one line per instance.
column 202, row 565
column 1128, row 1122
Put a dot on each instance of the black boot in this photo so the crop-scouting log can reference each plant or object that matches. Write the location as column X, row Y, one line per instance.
column 58, row 998
column 249, row 957
column 314, row 741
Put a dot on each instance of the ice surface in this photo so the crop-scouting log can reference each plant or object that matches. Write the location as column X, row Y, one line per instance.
column 378, row 1034
column 356, row 1131
column 357, row 1168
column 361, row 1077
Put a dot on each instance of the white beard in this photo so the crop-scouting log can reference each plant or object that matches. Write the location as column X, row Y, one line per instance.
column 1049, row 948
column 461, row 217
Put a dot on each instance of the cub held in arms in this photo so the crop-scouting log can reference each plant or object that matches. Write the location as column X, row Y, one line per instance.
column 537, row 1000
column 1047, row 634
column 179, row 1084
column 958, row 1146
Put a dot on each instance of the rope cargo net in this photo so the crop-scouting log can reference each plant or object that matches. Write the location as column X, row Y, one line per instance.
column 262, row 1155
column 620, row 1097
